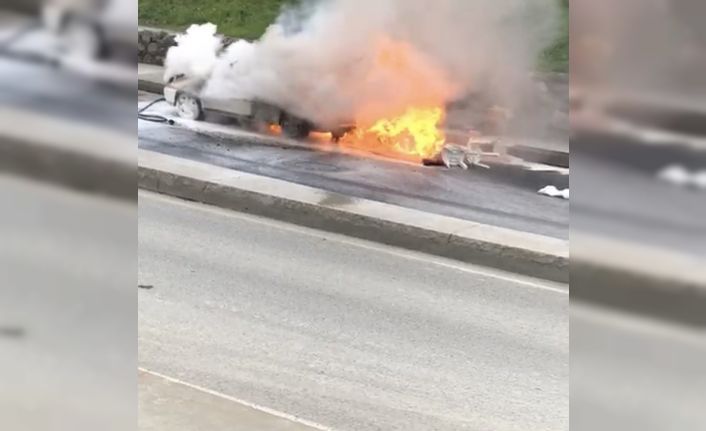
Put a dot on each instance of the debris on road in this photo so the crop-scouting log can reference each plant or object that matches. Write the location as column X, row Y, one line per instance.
column 453, row 155
column 681, row 176
column 474, row 153
column 554, row 192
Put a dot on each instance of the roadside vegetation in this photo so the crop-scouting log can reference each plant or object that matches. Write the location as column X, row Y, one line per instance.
column 245, row 19
column 248, row 19
column 556, row 57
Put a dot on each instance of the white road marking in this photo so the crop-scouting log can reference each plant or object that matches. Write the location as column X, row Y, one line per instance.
column 263, row 409
column 368, row 245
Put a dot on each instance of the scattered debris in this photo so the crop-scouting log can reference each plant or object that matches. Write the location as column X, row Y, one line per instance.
column 145, row 286
column 554, row 192
column 453, row 155
column 463, row 156
column 475, row 151
column 433, row 161
column 680, row 176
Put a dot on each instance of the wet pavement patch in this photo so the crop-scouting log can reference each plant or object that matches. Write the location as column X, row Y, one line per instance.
column 313, row 166
column 501, row 196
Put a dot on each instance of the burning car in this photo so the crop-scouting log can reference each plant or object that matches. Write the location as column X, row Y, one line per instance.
column 183, row 93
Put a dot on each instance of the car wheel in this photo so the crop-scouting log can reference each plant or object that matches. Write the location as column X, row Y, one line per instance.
column 337, row 134
column 295, row 128
column 260, row 122
column 189, row 107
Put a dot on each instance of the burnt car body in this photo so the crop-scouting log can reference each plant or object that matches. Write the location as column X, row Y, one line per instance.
column 184, row 94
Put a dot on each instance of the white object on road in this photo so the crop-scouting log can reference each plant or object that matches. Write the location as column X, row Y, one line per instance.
column 453, row 155
column 699, row 179
column 680, row 176
column 674, row 174
column 554, row 192
column 464, row 156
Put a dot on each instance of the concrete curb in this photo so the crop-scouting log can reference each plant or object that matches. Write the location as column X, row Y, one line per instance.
column 462, row 240
column 150, row 86
column 638, row 278
column 540, row 155
column 73, row 155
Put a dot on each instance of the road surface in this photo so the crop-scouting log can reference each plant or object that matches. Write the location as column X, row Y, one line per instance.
column 68, row 313
column 617, row 193
column 631, row 372
column 30, row 83
column 346, row 333
column 496, row 196
column 63, row 95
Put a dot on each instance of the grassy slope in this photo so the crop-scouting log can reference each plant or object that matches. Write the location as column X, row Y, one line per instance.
column 249, row 18
column 556, row 57
column 239, row 18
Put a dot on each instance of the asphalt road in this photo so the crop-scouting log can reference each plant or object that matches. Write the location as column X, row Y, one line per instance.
column 617, row 194
column 64, row 95
column 631, row 372
column 345, row 333
column 68, row 314
column 29, row 82
column 497, row 196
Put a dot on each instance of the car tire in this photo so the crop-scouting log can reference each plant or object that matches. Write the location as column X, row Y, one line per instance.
column 295, row 128
column 260, row 121
column 337, row 134
column 188, row 107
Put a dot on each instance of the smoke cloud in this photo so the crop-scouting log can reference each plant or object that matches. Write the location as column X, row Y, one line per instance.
column 359, row 60
column 195, row 54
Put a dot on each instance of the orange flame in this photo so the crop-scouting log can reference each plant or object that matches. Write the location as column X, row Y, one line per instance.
column 399, row 108
column 321, row 136
column 412, row 135
column 402, row 120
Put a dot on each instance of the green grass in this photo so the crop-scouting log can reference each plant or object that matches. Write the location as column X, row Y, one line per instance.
column 248, row 19
column 556, row 57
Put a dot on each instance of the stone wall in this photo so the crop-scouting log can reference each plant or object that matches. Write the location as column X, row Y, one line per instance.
column 152, row 44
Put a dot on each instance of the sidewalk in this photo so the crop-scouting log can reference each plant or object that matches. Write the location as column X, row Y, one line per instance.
column 167, row 404
column 149, row 78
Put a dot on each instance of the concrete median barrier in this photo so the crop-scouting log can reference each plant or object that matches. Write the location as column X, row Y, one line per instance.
column 73, row 155
column 458, row 239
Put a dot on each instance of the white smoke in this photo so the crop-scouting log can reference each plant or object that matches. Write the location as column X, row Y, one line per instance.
column 195, row 54
column 322, row 60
